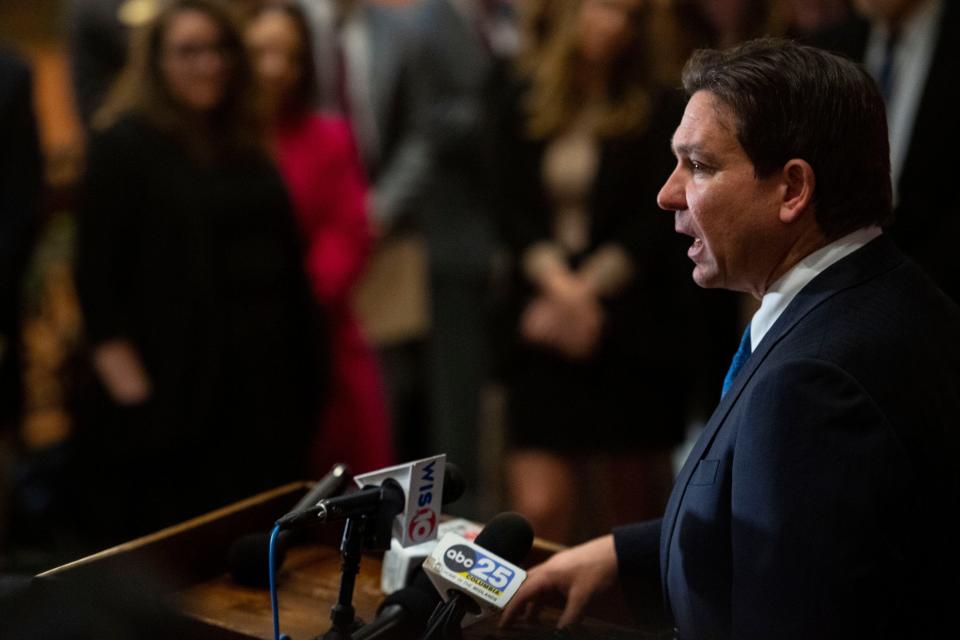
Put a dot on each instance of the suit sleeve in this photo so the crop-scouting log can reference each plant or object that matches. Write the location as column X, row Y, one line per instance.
column 811, row 507
column 401, row 180
column 638, row 568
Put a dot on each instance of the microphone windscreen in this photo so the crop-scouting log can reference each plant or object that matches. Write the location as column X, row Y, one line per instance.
column 418, row 600
column 508, row 535
column 453, row 483
column 248, row 559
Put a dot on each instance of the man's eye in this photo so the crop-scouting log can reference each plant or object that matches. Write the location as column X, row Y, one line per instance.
column 698, row 167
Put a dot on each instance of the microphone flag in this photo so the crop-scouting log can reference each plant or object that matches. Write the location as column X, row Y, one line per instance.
column 422, row 484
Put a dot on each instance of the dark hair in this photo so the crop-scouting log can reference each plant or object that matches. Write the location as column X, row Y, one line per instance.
column 141, row 89
column 792, row 101
column 304, row 96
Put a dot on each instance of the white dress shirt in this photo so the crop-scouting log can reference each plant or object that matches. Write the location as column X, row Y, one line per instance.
column 785, row 289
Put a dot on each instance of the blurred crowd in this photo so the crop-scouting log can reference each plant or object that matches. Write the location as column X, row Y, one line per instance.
column 314, row 231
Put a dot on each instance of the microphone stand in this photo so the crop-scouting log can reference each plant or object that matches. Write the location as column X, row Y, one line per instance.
column 444, row 623
column 367, row 531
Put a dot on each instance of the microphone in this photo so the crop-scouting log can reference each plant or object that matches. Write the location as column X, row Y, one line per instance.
column 403, row 614
column 247, row 555
column 478, row 577
column 328, row 486
column 385, row 499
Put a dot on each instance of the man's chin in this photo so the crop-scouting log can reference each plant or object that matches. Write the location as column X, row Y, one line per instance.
column 705, row 278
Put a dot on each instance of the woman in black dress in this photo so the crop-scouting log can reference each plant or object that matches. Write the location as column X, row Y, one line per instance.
column 198, row 314
column 596, row 365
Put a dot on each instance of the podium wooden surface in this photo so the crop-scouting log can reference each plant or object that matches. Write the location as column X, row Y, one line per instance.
column 190, row 559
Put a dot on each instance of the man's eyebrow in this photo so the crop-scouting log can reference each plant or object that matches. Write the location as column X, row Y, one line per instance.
column 687, row 150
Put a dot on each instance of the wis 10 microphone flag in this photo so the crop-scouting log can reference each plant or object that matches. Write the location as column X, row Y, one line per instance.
column 422, row 485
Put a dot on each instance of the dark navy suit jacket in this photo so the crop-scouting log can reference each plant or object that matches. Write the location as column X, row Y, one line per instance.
column 819, row 501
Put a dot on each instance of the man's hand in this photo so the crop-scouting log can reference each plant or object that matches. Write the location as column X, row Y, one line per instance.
column 577, row 575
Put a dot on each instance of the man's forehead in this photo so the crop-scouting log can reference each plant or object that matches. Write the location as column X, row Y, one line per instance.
column 707, row 123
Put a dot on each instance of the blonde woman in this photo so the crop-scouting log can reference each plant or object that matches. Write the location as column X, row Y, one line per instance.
column 595, row 338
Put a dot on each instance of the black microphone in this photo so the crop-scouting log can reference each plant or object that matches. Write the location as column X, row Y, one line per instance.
column 386, row 499
column 332, row 484
column 509, row 536
column 247, row 555
column 404, row 613
column 453, row 484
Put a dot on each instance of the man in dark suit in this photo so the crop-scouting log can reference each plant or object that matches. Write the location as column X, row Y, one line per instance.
column 460, row 49
column 818, row 501
column 912, row 49
column 20, row 181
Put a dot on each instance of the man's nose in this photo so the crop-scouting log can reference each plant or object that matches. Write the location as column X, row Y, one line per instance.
column 672, row 195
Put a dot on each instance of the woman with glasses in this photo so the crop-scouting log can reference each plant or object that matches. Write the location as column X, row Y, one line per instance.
column 201, row 326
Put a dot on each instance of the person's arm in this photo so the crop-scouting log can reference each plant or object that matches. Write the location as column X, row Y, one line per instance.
column 571, row 578
column 339, row 242
column 405, row 171
column 106, row 245
column 816, row 473
column 589, row 573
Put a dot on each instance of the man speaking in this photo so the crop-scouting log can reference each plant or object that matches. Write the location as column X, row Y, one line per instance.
column 819, row 501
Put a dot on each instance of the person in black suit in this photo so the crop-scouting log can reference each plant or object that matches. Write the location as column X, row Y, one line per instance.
column 20, row 185
column 458, row 51
column 912, row 48
column 593, row 280
column 189, row 272
column 818, row 501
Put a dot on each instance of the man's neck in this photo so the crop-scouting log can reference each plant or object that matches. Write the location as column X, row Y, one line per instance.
column 807, row 243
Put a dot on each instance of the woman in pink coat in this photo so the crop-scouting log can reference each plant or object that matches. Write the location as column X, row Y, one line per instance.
column 319, row 163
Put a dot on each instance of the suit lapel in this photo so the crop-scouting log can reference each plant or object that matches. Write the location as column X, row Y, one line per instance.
column 879, row 256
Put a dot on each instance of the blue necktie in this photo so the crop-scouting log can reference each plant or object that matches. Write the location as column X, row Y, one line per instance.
column 886, row 70
column 739, row 359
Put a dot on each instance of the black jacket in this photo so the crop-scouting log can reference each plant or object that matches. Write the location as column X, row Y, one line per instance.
column 20, row 185
column 928, row 212
column 199, row 266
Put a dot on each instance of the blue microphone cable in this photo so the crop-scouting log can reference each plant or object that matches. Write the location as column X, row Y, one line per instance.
column 273, row 585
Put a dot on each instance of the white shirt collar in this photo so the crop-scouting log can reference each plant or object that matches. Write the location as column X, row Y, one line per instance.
column 783, row 291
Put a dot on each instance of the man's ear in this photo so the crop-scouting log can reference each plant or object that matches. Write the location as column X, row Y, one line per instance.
column 799, row 182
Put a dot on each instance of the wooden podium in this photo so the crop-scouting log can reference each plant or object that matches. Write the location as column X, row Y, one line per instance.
column 191, row 560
